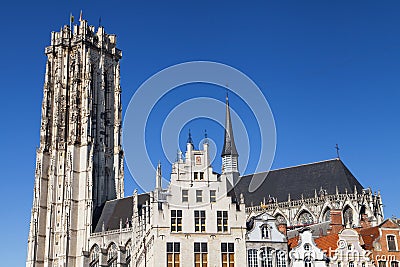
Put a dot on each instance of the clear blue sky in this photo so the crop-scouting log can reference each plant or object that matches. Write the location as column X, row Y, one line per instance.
column 330, row 71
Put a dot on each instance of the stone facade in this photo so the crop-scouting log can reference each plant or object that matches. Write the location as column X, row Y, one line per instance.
column 80, row 216
column 79, row 163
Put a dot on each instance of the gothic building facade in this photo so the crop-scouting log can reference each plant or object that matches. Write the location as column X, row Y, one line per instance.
column 80, row 216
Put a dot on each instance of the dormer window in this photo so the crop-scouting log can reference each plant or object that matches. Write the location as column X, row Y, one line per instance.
column 307, row 247
column 264, row 232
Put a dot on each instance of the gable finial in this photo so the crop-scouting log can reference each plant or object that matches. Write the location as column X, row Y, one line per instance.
column 337, row 151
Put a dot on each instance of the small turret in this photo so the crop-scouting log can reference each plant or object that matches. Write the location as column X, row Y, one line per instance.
column 158, row 177
column 229, row 152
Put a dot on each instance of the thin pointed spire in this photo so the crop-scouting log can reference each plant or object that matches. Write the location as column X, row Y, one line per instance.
column 190, row 140
column 229, row 141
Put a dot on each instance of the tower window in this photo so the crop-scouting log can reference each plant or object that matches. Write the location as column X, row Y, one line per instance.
column 222, row 221
column 200, row 220
column 185, row 195
column 391, row 243
column 173, row 254
column 200, row 254
column 228, row 254
column 176, row 220
column 199, row 196
column 213, row 196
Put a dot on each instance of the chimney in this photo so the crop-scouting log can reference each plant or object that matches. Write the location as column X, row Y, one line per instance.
column 282, row 227
column 336, row 224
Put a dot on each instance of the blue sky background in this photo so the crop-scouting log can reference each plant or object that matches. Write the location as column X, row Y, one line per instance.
column 330, row 71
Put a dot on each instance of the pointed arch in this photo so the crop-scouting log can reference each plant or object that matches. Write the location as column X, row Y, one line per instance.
column 128, row 249
column 326, row 215
column 348, row 215
column 279, row 216
column 112, row 254
column 304, row 216
column 94, row 256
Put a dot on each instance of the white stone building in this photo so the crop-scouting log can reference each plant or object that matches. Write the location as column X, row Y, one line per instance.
column 266, row 244
column 306, row 253
column 80, row 216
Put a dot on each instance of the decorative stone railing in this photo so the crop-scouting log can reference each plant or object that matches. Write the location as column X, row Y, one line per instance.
column 299, row 202
column 111, row 232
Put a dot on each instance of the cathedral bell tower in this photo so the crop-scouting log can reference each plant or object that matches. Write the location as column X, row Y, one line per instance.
column 79, row 163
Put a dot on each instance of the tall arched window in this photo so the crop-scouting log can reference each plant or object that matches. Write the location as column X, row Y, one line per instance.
column 94, row 256
column 305, row 218
column 280, row 259
column 112, row 256
column 252, row 258
column 327, row 215
column 128, row 255
column 348, row 216
column 266, row 257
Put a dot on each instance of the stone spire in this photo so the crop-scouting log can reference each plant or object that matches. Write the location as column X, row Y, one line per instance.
column 229, row 153
column 229, row 141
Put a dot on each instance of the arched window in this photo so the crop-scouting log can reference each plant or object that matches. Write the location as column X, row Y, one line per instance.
column 94, row 256
column 128, row 255
column 307, row 247
column 305, row 218
column 280, row 259
column 307, row 262
column 266, row 257
column 351, row 264
column 112, row 256
column 264, row 231
column 327, row 215
column 348, row 216
column 252, row 258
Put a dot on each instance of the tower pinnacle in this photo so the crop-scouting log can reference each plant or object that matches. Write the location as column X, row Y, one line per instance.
column 229, row 153
column 229, row 141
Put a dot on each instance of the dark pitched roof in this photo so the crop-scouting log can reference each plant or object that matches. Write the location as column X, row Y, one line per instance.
column 229, row 142
column 118, row 209
column 297, row 181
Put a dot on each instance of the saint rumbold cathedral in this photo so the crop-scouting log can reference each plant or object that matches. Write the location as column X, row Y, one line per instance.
column 80, row 216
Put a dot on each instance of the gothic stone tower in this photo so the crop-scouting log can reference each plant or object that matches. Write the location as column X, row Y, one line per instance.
column 79, row 163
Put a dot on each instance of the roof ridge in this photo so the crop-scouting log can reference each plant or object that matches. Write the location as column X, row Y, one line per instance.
column 295, row 166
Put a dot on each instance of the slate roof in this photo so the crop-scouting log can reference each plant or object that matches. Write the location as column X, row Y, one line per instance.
column 118, row 209
column 297, row 181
